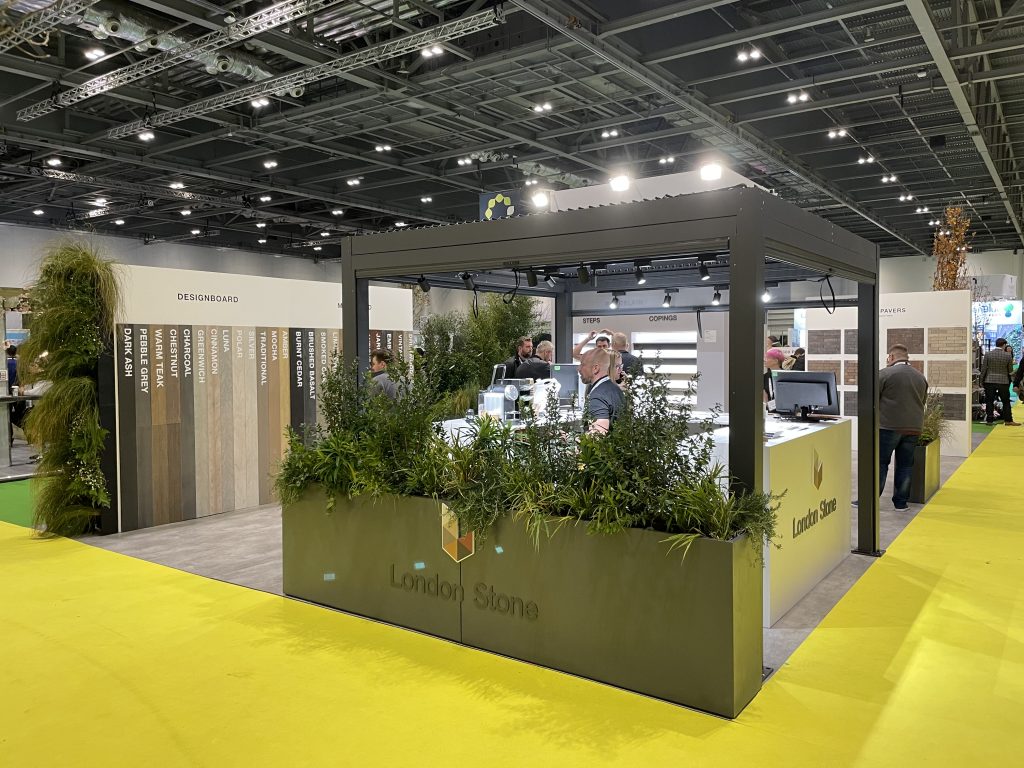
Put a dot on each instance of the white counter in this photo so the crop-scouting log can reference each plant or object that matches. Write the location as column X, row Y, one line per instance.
column 812, row 463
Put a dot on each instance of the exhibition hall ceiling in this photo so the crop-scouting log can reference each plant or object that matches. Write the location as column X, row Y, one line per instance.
column 288, row 126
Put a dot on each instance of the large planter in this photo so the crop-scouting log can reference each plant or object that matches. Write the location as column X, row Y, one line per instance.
column 618, row 609
column 924, row 481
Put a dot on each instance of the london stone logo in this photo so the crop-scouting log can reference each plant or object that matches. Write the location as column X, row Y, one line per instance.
column 819, row 470
column 458, row 545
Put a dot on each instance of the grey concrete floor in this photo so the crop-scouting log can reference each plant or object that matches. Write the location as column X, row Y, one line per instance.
column 21, row 467
column 244, row 548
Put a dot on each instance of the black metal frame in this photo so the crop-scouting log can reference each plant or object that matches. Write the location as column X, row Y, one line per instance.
column 754, row 228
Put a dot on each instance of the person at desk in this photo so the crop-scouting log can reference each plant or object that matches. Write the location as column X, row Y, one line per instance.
column 524, row 350
column 539, row 366
column 902, row 392
column 604, row 398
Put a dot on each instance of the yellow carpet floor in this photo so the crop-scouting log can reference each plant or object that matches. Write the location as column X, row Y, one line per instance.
column 110, row 661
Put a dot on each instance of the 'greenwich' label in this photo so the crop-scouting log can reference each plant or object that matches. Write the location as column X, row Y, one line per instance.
column 485, row 598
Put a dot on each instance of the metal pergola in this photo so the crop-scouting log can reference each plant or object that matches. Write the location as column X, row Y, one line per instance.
column 757, row 237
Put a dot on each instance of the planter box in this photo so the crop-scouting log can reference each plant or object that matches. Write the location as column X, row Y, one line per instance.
column 617, row 609
column 925, row 480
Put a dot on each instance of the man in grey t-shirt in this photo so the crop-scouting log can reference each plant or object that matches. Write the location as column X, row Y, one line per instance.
column 604, row 398
column 902, row 392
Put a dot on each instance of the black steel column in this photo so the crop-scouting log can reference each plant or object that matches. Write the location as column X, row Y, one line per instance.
column 746, row 350
column 867, row 419
column 562, row 330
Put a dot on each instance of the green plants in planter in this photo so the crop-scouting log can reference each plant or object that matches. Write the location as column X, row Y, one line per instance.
column 935, row 427
column 75, row 303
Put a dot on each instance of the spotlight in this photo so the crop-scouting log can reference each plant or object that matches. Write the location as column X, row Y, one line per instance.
column 425, row 200
column 538, row 108
column 803, row 96
column 467, row 280
column 353, row 182
column 262, row 241
column 423, row 283
column 711, row 172
column 465, row 161
column 38, row 212
column 841, row 132
column 119, row 222
column 619, row 183
column 925, row 209
column 614, row 303
column 95, row 53
column 837, row 133
column 432, row 51
column 861, row 161
column 261, row 225
column 532, row 182
column 436, row 49
column 176, row 185
column 546, row 106
column 382, row 148
column 262, row 101
column 197, row 231
column 766, row 296
column 870, row 158
column 186, row 212
column 100, row 201
column 791, row 98
column 755, row 54
column 531, row 278
column 640, row 278
column 832, row 134
column 325, row 234
column 401, row 224
column 704, row 274
column 583, row 273
column 666, row 160
column 918, row 209
column 716, row 299
column 53, row 162
column 742, row 56
column 539, row 199
column 667, row 301
column 550, row 280
column 265, row 198
column 338, row 212
column 147, row 136
column 268, row 164
column 317, row 248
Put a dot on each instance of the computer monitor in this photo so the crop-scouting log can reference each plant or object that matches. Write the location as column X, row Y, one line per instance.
column 803, row 392
column 568, row 377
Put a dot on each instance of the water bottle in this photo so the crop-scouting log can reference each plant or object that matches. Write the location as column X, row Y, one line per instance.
column 469, row 414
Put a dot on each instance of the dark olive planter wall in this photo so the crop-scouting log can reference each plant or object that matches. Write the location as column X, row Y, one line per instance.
column 618, row 609
column 924, row 481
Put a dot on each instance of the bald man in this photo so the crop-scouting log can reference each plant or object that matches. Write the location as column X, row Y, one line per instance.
column 604, row 398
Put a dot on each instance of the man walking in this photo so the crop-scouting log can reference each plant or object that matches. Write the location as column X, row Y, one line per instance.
column 902, row 392
column 996, row 370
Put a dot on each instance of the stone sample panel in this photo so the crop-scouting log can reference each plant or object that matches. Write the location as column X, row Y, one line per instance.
column 826, row 365
column 911, row 338
column 947, row 373
column 823, row 342
column 850, row 341
column 954, row 407
column 850, row 372
column 849, row 403
column 947, row 341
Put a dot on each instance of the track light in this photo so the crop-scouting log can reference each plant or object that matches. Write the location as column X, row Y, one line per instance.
column 583, row 273
column 640, row 277
column 710, row 172
column 906, row 197
column 888, row 179
column 619, row 183
column 467, row 280
column 53, row 162
column 614, row 303
column 667, row 301
column 423, row 283
column 531, row 278
column 716, row 300
column 704, row 274
column 540, row 199
column 550, row 280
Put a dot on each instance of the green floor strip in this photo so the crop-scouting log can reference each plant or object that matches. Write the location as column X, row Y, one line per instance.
column 16, row 503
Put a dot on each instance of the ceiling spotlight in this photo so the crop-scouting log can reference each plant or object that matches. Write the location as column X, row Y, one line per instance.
column 538, row 108
column 870, row 158
column 610, row 134
column 918, row 209
column 436, row 49
column 119, row 222
column 325, row 234
column 53, row 162
column 704, row 274
column 353, row 182
column 268, row 164
column 426, row 199
column 38, row 212
column 583, row 273
column 710, row 172
column 925, row 209
column 766, row 296
column 550, row 280
column 861, row 161
column 546, row 106
column 755, row 54
column 147, row 136
column 467, row 280
column 382, row 148
column 619, row 183
column 841, row 132
column 428, row 53
column 401, row 224
column 791, row 98
column 424, row 284
column 639, row 273
column 261, row 224
column 614, row 303
column 95, row 53
column 465, row 161
column 262, row 101
column 317, row 248
column 265, row 198
column 186, row 212
column 667, row 301
column 716, row 300
column 666, row 160
column 176, row 185
column 262, row 241
column 100, row 201
column 197, row 231
column 531, row 278
column 742, row 56
column 540, row 200
column 337, row 212
column 803, row 96
column 833, row 133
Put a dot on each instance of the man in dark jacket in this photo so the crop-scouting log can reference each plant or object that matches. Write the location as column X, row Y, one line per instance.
column 902, row 392
column 539, row 366
column 524, row 350
column 996, row 371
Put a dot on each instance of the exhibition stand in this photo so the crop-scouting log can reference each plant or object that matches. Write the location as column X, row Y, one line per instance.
column 594, row 605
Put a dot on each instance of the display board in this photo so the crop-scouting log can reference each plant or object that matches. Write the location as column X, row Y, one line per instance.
column 205, row 399
column 934, row 325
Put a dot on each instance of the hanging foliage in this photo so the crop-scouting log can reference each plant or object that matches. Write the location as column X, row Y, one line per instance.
column 952, row 241
column 75, row 302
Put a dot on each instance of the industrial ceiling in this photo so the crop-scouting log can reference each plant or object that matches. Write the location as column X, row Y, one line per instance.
column 287, row 126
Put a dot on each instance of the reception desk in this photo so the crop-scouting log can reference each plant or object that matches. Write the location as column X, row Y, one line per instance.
column 812, row 464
